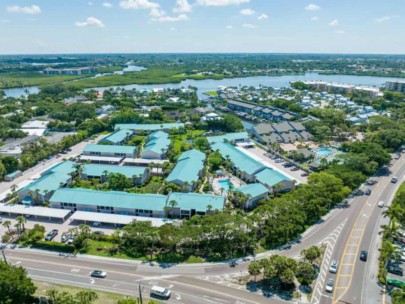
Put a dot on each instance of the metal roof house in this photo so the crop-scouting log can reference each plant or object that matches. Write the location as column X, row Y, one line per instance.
column 254, row 193
column 137, row 128
column 156, row 146
column 229, row 137
column 117, row 138
column 110, row 151
column 183, row 205
column 188, row 169
column 137, row 174
column 41, row 189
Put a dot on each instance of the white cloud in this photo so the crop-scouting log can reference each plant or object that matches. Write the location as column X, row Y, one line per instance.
column 340, row 32
column 107, row 5
column 30, row 10
column 315, row 18
column 249, row 26
column 164, row 18
column 182, row 6
column 138, row 4
column 385, row 18
column 91, row 22
column 5, row 21
column 90, row 3
column 334, row 22
column 263, row 17
column 157, row 13
column 312, row 7
column 221, row 2
column 173, row 29
column 247, row 12
column 229, row 27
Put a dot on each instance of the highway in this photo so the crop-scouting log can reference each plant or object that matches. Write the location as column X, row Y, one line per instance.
column 346, row 230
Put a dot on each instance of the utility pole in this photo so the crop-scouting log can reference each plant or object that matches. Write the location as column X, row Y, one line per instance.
column 4, row 256
column 140, row 293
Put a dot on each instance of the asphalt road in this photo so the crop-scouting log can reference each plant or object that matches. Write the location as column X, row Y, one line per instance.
column 356, row 281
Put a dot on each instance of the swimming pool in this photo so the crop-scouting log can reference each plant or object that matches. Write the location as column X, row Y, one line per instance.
column 225, row 184
column 323, row 152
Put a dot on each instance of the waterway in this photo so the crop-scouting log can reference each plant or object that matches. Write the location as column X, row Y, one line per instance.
column 210, row 84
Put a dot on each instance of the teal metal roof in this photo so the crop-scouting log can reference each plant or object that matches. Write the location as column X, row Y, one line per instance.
column 149, row 127
column 98, row 170
column 109, row 149
column 238, row 158
column 114, row 199
column 253, row 190
column 189, row 164
column 158, row 134
column 270, row 177
column 117, row 137
column 156, row 144
column 229, row 137
column 52, row 178
column 199, row 202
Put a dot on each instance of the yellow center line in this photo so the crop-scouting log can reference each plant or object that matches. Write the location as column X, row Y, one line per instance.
column 347, row 264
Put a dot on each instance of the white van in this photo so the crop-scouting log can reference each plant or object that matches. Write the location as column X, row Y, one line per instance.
column 160, row 292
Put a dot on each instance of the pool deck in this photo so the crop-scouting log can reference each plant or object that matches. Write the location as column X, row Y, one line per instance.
column 216, row 186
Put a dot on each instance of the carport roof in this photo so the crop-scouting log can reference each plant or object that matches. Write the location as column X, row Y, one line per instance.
column 115, row 218
column 34, row 211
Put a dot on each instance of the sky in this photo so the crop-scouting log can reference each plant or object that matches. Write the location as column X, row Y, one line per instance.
column 197, row 26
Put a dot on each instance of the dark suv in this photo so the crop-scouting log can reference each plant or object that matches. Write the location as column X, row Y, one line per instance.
column 363, row 255
column 394, row 269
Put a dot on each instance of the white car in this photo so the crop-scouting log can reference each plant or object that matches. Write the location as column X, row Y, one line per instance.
column 333, row 266
column 380, row 204
column 329, row 285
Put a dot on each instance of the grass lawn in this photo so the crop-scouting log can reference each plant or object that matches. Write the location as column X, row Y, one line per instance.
column 179, row 140
column 103, row 297
column 401, row 189
column 168, row 258
column 212, row 93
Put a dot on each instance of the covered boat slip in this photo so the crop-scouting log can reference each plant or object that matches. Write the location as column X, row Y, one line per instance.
column 37, row 212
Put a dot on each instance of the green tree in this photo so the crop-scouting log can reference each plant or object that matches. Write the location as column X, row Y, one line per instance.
column 305, row 273
column 15, row 286
column 311, row 253
column 255, row 269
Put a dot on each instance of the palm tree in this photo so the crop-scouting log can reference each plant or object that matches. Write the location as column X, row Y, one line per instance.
column 21, row 220
column 153, row 235
column 172, row 203
column 7, row 224
column 209, row 208
column 277, row 188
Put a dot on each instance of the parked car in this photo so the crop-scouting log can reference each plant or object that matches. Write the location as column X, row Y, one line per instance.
column 334, row 266
column 394, row 179
column 371, row 182
column 358, row 192
column 287, row 165
column 96, row 224
column 64, row 238
column 1, row 220
column 233, row 264
column 397, row 156
column 304, row 174
column 396, row 283
column 98, row 274
column 367, row 192
column 294, row 169
column 363, row 255
column 329, row 285
column 279, row 160
column 51, row 235
column 394, row 269
column 380, row 204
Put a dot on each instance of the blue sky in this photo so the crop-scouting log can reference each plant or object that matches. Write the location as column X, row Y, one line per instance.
column 139, row 26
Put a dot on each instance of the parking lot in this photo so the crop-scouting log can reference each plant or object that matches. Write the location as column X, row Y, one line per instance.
column 55, row 224
column 261, row 156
